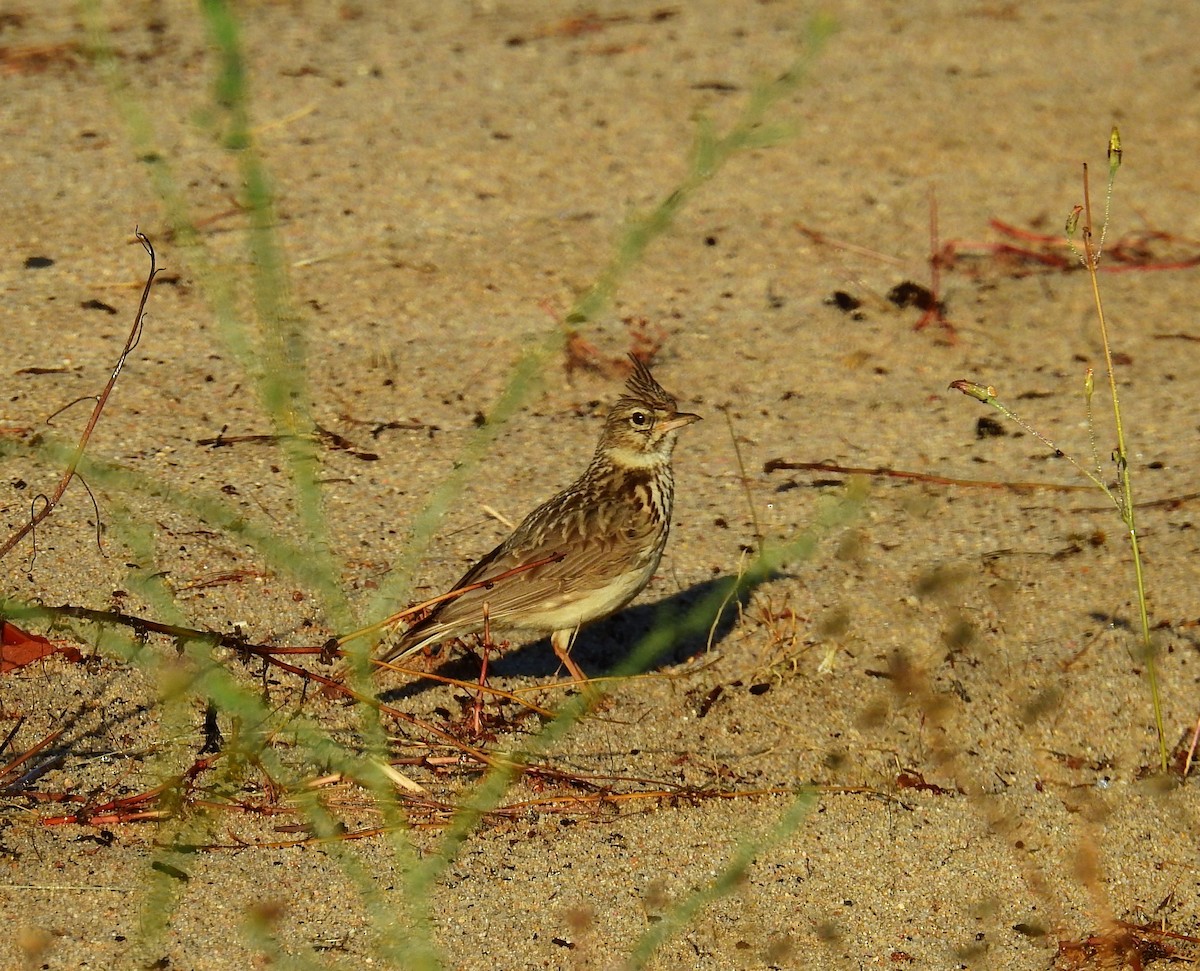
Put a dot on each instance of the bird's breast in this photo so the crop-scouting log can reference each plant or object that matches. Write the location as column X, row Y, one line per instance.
column 648, row 492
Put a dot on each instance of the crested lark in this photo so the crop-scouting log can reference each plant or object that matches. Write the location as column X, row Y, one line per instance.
column 602, row 537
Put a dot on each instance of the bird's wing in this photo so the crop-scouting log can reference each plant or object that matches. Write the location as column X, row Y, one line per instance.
column 603, row 539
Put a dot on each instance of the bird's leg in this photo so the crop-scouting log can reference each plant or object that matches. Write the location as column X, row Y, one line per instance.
column 561, row 641
column 477, row 711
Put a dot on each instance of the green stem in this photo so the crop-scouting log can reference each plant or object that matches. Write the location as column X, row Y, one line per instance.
column 1128, row 516
column 1091, row 262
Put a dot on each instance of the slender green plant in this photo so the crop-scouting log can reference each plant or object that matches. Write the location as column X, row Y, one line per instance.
column 269, row 344
column 1089, row 250
column 726, row 882
column 709, row 154
column 667, row 631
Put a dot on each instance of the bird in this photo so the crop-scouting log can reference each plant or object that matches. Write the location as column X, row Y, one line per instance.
column 593, row 547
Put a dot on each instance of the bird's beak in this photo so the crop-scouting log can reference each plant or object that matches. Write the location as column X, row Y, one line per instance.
column 678, row 420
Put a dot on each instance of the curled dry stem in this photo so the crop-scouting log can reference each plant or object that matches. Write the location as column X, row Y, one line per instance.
column 135, row 334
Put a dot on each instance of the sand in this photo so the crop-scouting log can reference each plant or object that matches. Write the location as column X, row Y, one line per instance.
column 956, row 669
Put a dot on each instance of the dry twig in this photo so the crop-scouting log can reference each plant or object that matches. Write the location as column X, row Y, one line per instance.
column 135, row 335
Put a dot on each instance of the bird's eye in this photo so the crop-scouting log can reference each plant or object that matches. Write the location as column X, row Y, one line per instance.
column 639, row 419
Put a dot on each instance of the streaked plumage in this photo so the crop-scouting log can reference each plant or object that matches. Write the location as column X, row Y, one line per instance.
column 610, row 526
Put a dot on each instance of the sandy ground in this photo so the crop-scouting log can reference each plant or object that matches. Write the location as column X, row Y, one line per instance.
column 957, row 668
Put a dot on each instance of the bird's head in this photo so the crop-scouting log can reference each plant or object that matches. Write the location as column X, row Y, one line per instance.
column 642, row 424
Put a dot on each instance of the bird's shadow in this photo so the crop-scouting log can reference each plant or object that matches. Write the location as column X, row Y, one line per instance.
column 602, row 646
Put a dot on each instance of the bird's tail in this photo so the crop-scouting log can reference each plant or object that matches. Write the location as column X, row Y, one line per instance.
column 406, row 645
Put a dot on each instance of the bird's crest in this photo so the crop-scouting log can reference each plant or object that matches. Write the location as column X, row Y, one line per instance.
column 642, row 387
